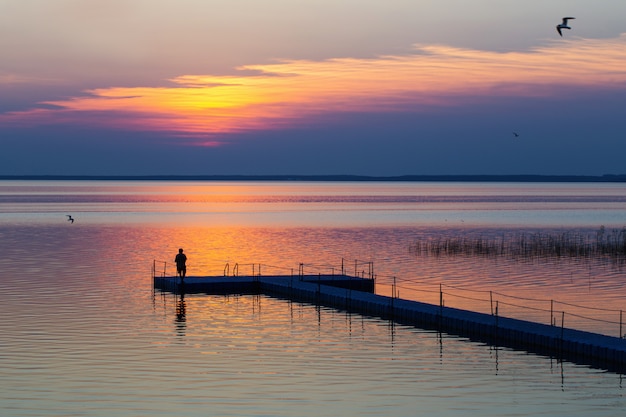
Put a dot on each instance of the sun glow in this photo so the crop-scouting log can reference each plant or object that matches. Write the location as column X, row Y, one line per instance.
column 286, row 93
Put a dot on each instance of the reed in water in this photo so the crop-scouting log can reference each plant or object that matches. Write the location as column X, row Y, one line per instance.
column 606, row 244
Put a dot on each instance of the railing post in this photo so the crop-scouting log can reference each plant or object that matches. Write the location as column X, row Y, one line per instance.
column 620, row 325
column 496, row 324
column 496, row 313
column 393, row 297
column 440, row 307
column 440, row 297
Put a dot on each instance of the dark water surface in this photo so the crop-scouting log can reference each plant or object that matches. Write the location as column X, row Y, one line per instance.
column 84, row 334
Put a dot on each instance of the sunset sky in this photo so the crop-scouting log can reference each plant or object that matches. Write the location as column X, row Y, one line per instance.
column 364, row 87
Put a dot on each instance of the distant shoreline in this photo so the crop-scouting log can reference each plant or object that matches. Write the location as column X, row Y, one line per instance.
column 327, row 178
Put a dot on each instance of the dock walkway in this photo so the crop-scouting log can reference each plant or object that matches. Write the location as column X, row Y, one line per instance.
column 355, row 294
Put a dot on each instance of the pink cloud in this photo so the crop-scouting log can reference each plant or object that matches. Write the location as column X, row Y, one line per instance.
column 286, row 93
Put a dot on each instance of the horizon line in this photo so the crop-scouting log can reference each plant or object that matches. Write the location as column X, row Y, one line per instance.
column 331, row 178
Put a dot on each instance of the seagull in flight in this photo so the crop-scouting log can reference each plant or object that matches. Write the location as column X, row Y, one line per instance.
column 516, row 134
column 70, row 218
column 563, row 25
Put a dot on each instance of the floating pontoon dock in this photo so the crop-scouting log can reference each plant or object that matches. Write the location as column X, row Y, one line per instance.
column 356, row 294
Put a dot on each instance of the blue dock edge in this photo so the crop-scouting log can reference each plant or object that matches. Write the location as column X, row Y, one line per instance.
column 356, row 295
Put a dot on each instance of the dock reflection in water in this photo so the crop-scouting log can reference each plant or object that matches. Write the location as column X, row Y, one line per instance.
column 303, row 355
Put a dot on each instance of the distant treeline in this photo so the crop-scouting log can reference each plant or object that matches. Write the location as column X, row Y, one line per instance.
column 603, row 243
column 363, row 178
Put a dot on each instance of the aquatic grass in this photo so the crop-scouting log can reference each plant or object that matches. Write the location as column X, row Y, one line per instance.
column 601, row 244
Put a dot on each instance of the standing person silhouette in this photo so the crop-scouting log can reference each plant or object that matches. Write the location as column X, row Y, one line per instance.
column 181, row 267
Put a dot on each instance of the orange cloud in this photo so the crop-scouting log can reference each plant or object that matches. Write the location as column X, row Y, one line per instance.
column 288, row 92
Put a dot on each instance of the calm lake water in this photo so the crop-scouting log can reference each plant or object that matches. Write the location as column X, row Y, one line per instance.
column 84, row 334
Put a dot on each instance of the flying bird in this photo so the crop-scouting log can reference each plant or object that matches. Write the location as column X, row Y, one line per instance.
column 70, row 218
column 516, row 134
column 563, row 25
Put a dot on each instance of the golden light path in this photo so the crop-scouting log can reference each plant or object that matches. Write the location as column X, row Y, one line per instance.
column 286, row 93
